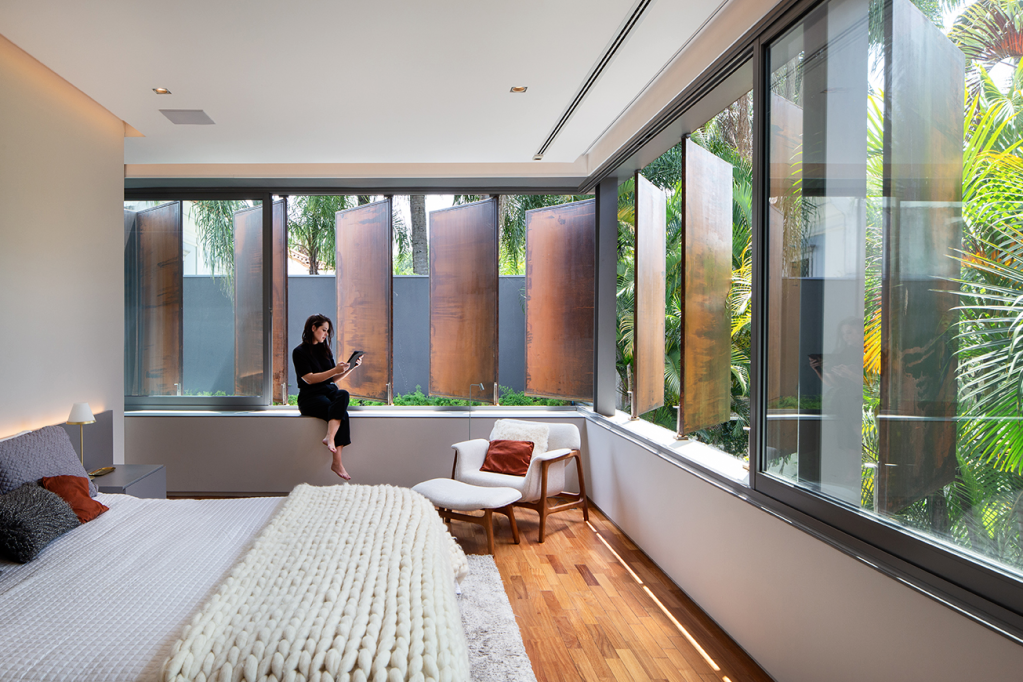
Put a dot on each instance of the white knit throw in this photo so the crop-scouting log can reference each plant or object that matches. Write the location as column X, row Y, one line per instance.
column 348, row 582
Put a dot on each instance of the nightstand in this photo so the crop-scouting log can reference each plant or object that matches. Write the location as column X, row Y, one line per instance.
column 138, row 480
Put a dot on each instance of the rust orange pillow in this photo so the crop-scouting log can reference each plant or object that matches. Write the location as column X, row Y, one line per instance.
column 509, row 457
column 75, row 491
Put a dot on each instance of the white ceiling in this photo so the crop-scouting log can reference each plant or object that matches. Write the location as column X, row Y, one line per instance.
column 342, row 82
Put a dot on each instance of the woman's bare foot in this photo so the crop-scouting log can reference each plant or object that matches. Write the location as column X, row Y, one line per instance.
column 329, row 442
column 338, row 468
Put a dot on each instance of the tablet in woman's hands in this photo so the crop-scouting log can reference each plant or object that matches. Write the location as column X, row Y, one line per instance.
column 355, row 356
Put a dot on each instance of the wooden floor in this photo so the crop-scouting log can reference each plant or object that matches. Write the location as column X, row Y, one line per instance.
column 591, row 606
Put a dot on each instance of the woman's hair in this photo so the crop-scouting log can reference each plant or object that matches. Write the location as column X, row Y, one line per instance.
column 316, row 321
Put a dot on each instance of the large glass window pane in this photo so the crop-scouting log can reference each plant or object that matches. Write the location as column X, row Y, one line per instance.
column 893, row 284
column 194, row 298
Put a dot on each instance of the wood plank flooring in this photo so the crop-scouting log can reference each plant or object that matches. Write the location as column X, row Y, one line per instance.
column 592, row 606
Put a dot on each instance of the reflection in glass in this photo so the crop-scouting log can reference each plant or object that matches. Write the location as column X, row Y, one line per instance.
column 881, row 343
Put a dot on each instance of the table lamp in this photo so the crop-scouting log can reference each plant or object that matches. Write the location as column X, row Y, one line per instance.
column 81, row 414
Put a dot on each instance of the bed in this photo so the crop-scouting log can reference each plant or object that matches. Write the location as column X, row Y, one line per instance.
column 344, row 582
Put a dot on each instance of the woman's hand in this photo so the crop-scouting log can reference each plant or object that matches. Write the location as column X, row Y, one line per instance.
column 341, row 368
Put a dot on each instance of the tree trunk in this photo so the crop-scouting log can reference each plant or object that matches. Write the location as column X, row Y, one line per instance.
column 420, row 256
column 314, row 260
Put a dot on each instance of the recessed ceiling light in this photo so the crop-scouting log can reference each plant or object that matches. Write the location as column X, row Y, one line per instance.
column 161, row 91
column 538, row 157
column 519, row 88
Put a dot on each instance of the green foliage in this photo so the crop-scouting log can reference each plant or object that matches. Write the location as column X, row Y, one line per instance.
column 509, row 398
column 214, row 223
column 311, row 227
column 511, row 209
column 729, row 136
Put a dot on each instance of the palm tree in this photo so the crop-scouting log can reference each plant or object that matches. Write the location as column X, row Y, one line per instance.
column 311, row 227
column 420, row 253
column 990, row 32
column 214, row 223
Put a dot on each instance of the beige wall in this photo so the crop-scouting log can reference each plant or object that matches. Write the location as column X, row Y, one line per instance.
column 805, row 611
column 61, row 251
column 272, row 452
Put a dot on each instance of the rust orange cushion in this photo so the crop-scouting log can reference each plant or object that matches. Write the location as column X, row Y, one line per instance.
column 75, row 491
column 509, row 457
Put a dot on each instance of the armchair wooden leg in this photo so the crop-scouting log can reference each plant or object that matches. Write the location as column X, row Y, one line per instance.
column 542, row 502
column 509, row 511
column 582, row 486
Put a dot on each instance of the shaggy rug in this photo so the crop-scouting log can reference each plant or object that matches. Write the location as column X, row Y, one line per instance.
column 496, row 652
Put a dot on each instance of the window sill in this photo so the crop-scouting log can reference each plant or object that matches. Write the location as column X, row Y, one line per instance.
column 453, row 412
column 687, row 452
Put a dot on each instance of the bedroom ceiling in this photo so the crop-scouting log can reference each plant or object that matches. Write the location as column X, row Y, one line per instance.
column 384, row 82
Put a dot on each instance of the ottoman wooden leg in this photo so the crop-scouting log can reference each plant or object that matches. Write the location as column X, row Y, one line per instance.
column 488, row 523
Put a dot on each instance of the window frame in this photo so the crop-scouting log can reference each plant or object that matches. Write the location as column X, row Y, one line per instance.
column 975, row 587
column 219, row 403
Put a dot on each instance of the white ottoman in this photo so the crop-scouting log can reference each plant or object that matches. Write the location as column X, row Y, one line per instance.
column 451, row 496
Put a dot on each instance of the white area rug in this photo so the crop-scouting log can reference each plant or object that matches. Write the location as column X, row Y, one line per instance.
column 496, row 652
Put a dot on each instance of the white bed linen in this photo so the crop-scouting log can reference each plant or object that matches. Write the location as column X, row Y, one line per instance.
column 107, row 601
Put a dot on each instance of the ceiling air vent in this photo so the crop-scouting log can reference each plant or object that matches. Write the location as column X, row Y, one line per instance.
column 187, row 117
column 631, row 20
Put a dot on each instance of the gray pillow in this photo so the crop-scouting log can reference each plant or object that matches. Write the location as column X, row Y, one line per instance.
column 31, row 517
column 46, row 452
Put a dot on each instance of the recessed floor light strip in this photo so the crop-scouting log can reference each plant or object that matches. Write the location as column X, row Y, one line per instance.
column 620, row 560
column 678, row 625
column 597, row 70
column 685, row 632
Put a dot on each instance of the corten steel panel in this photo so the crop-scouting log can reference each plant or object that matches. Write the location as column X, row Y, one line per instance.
column 160, row 299
column 648, row 343
column 463, row 301
column 248, row 302
column 280, row 302
column 706, row 322
column 923, row 160
column 364, row 317
column 560, row 244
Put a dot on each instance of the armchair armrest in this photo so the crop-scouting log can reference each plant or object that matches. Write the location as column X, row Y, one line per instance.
column 553, row 455
column 469, row 456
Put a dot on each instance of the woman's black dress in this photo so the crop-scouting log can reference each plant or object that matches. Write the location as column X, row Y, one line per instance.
column 323, row 400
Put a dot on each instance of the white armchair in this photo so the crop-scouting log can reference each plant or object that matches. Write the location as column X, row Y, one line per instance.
column 544, row 480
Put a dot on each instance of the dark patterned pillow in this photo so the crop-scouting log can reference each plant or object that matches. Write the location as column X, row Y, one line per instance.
column 32, row 517
column 46, row 452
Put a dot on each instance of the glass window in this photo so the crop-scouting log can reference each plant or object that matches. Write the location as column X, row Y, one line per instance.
column 193, row 298
column 893, row 284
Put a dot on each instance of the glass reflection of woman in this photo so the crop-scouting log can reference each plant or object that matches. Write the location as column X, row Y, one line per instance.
column 845, row 363
column 318, row 394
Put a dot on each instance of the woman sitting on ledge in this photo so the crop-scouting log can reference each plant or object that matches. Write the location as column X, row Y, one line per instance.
column 318, row 394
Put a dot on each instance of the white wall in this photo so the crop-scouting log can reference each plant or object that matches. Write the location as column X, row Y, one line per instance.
column 61, row 251
column 273, row 451
column 805, row 611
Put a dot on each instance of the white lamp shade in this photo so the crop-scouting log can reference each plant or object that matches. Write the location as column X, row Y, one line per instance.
column 81, row 413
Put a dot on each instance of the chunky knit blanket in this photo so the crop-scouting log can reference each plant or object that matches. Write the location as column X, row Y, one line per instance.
column 348, row 582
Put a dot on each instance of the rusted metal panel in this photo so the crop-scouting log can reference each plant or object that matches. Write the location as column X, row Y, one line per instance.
column 463, row 301
column 706, row 320
column 650, row 277
column 924, row 84
column 280, row 302
column 248, row 302
column 160, row 298
column 560, row 244
column 364, row 302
